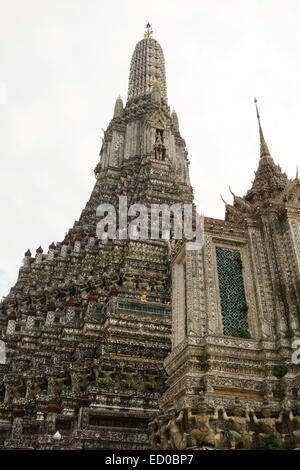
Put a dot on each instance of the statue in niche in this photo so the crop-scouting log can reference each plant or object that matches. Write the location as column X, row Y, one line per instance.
column 159, row 147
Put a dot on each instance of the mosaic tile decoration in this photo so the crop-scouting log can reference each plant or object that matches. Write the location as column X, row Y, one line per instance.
column 140, row 308
column 232, row 292
column 185, row 302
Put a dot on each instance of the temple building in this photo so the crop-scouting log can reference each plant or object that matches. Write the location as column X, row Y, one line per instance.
column 88, row 323
column 123, row 343
column 235, row 317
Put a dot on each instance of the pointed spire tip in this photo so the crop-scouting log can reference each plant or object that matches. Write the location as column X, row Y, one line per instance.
column 148, row 31
column 264, row 151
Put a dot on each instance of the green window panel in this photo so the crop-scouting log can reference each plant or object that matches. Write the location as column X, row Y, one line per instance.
column 141, row 308
column 232, row 293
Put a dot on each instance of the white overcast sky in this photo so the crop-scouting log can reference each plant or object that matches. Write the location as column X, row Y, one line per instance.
column 63, row 64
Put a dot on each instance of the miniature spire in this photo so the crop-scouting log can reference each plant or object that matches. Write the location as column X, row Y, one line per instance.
column 264, row 151
column 148, row 32
column 175, row 120
column 118, row 107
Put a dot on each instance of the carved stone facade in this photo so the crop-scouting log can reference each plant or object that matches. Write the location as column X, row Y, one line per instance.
column 87, row 324
column 236, row 315
column 90, row 357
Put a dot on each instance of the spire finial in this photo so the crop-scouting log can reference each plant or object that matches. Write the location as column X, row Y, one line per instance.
column 264, row 151
column 148, row 32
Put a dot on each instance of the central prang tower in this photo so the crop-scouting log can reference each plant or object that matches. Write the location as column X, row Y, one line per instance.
column 84, row 348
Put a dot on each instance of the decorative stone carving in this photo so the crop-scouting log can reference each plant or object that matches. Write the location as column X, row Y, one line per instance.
column 178, row 439
column 162, row 434
column 240, row 436
column 267, row 424
column 202, row 432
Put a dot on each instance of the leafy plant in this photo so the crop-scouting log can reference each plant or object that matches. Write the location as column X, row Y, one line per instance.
column 280, row 371
column 202, row 358
column 270, row 442
column 240, row 263
column 289, row 333
column 241, row 334
column 244, row 308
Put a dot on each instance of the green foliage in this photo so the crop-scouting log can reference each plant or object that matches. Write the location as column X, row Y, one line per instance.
column 289, row 333
column 241, row 334
column 240, row 263
column 244, row 308
column 280, row 371
column 202, row 358
column 270, row 442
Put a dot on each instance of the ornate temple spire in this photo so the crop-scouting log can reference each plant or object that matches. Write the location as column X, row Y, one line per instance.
column 147, row 67
column 269, row 178
column 264, row 151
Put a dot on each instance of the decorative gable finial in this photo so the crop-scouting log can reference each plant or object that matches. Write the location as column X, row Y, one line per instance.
column 264, row 151
column 269, row 179
column 148, row 32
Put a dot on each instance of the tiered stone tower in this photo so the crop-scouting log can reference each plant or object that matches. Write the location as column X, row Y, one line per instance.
column 87, row 324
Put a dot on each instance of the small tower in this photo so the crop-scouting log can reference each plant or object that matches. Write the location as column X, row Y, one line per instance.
column 175, row 121
column 118, row 107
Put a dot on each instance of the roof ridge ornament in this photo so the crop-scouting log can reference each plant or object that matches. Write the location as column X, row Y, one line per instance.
column 264, row 151
column 148, row 31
